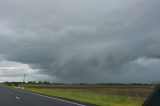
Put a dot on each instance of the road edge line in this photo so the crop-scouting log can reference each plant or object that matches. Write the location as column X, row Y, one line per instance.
column 51, row 97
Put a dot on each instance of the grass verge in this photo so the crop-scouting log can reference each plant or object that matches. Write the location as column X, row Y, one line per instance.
column 103, row 96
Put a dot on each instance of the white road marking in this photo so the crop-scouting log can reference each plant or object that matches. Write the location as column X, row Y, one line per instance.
column 17, row 97
column 53, row 98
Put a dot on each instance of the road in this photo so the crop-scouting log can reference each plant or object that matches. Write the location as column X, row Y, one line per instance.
column 12, row 97
column 154, row 98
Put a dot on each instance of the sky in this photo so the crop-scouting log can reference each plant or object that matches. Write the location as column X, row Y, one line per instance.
column 72, row 41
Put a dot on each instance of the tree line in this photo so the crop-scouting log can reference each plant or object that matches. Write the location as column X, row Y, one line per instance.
column 56, row 83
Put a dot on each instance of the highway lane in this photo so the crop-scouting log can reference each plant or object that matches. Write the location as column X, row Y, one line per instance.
column 154, row 98
column 11, row 97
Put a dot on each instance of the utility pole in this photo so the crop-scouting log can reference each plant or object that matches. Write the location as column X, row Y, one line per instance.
column 24, row 78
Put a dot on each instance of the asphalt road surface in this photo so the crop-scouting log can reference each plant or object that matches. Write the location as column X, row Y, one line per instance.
column 154, row 98
column 11, row 97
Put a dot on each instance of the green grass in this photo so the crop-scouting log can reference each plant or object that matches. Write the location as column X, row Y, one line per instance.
column 103, row 96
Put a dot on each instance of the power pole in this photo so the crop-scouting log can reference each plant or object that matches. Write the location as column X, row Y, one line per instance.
column 24, row 78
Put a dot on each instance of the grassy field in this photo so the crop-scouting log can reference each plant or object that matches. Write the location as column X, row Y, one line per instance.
column 100, row 95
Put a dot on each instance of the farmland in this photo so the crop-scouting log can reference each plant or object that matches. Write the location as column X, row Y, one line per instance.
column 108, row 95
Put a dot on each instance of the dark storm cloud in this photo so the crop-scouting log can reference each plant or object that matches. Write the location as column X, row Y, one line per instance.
column 83, row 41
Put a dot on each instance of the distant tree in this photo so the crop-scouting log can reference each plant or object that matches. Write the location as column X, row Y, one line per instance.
column 16, row 83
column 40, row 82
column 83, row 84
column 8, row 83
column 32, row 82
column 46, row 83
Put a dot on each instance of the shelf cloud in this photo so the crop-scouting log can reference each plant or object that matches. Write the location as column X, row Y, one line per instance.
column 83, row 40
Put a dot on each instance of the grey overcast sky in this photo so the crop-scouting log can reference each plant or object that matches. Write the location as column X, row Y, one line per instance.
column 80, row 40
